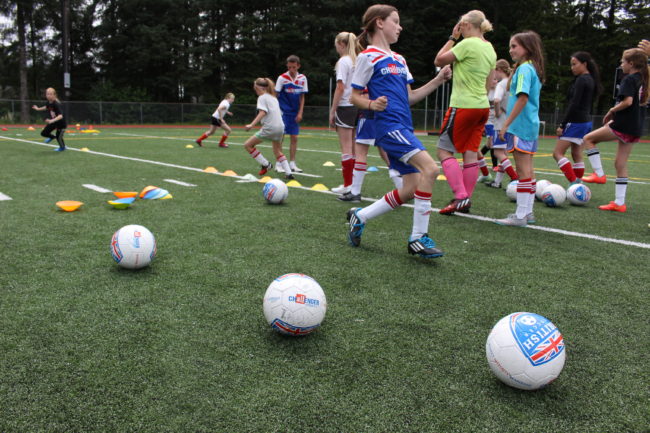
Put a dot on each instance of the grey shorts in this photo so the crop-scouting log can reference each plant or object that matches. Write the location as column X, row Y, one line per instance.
column 346, row 117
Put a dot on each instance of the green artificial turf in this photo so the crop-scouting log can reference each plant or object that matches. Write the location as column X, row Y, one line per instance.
column 183, row 346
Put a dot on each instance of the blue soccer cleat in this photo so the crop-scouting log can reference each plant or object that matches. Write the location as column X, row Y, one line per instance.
column 356, row 227
column 424, row 247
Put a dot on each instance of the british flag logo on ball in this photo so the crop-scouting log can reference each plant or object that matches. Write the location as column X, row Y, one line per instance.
column 115, row 248
column 537, row 337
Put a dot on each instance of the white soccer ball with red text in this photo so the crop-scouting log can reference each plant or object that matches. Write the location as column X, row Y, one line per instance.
column 294, row 304
column 554, row 195
column 275, row 191
column 133, row 246
column 525, row 351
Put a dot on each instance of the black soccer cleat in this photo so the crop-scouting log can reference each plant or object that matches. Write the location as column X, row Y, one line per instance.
column 424, row 247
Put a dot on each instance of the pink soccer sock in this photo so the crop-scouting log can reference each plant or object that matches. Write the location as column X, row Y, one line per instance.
column 470, row 171
column 454, row 177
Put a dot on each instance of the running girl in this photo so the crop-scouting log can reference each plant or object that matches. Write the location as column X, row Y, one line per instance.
column 270, row 116
column 521, row 128
column 577, row 120
column 473, row 59
column 218, row 119
column 343, row 114
column 624, row 123
column 55, row 121
column 388, row 80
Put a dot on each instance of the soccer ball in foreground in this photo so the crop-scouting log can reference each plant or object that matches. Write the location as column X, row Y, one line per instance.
column 511, row 190
column 554, row 195
column 525, row 351
column 294, row 304
column 275, row 191
column 540, row 187
column 578, row 194
column 133, row 246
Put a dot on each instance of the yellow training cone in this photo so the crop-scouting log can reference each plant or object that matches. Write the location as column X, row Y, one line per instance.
column 441, row 177
column 167, row 197
column 189, row 146
column 69, row 205
column 294, row 183
column 84, row 149
column 319, row 187
column 210, row 170
column 264, row 179
column 328, row 164
column 229, row 173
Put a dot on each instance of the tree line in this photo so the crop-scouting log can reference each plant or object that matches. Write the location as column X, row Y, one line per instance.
column 197, row 50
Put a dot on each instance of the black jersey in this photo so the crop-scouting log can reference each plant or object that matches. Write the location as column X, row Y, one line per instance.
column 54, row 109
column 629, row 120
column 580, row 99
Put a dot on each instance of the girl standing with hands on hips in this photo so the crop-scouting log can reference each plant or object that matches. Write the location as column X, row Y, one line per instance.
column 55, row 121
column 521, row 128
column 623, row 123
column 388, row 80
column 269, row 114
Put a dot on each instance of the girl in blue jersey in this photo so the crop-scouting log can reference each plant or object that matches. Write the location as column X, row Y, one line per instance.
column 521, row 128
column 623, row 123
column 56, row 120
column 577, row 119
column 388, row 80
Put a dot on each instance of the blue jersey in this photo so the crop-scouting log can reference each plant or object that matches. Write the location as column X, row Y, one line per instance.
column 289, row 91
column 525, row 80
column 385, row 74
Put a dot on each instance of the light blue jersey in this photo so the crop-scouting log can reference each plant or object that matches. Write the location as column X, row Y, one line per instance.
column 525, row 80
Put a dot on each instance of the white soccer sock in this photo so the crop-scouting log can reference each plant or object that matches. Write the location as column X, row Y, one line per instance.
column 421, row 213
column 531, row 198
column 620, row 190
column 523, row 196
column 594, row 159
column 390, row 201
column 257, row 155
column 358, row 174
column 498, row 178
column 284, row 163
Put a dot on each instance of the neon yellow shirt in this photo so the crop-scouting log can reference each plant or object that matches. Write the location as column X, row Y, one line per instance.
column 475, row 59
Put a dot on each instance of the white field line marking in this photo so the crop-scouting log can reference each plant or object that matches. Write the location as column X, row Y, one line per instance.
column 178, row 182
column 95, row 187
column 4, row 197
column 476, row 217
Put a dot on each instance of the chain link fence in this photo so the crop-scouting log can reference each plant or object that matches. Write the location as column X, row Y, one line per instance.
column 145, row 113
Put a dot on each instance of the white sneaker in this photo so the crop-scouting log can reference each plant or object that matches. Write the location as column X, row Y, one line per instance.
column 512, row 221
column 294, row 167
column 341, row 189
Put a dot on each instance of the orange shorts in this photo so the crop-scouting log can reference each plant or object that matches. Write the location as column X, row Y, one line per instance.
column 462, row 129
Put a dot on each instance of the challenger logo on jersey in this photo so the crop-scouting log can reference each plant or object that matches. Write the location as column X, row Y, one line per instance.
column 537, row 337
column 393, row 69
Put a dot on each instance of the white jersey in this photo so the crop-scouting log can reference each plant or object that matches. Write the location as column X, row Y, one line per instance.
column 344, row 72
column 491, row 116
column 223, row 106
column 272, row 124
column 501, row 95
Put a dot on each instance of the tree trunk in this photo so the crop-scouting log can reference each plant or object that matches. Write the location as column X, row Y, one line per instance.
column 22, row 43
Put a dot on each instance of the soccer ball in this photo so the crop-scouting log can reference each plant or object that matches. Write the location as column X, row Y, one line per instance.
column 133, row 246
column 540, row 187
column 275, row 191
column 554, row 195
column 578, row 194
column 511, row 190
column 525, row 351
column 294, row 304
